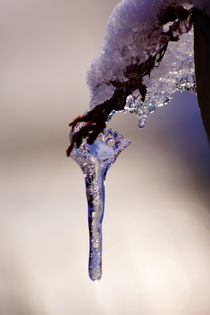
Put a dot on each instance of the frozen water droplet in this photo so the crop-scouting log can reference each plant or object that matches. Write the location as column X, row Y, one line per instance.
column 142, row 123
column 130, row 104
column 95, row 161
column 111, row 143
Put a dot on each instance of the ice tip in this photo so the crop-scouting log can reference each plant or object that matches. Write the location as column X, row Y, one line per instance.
column 95, row 270
column 95, row 277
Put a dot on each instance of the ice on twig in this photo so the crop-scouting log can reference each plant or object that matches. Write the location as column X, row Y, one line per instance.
column 147, row 55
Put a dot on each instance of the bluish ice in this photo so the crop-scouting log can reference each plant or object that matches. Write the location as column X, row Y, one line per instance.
column 95, row 160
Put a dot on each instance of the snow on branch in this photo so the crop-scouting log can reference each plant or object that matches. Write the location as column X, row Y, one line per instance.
column 147, row 55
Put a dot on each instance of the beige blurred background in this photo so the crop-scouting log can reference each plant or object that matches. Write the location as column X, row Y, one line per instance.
column 156, row 227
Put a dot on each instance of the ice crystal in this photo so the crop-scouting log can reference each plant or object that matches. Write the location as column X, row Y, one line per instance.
column 175, row 73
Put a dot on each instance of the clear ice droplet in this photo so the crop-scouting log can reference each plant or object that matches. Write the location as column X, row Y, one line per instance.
column 95, row 160
column 176, row 72
column 141, row 123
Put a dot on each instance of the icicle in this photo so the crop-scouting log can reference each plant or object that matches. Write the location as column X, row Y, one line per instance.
column 95, row 161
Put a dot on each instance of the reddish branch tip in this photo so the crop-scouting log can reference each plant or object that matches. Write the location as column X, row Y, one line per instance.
column 69, row 149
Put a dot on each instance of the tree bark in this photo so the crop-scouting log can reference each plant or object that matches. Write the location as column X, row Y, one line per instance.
column 202, row 65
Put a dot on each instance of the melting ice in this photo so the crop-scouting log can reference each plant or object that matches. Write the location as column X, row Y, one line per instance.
column 95, row 160
column 133, row 33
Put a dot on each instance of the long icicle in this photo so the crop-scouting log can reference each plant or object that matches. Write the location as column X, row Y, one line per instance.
column 95, row 161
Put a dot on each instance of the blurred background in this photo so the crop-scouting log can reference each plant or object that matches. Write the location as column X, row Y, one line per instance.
column 156, row 228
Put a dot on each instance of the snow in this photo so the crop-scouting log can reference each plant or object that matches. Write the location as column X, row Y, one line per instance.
column 132, row 35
